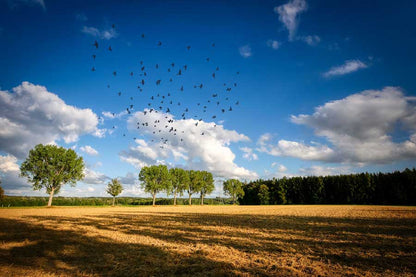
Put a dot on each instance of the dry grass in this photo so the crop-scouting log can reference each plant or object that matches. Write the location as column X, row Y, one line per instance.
column 209, row 241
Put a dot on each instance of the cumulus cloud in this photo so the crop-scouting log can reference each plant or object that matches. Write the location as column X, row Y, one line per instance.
column 288, row 15
column 8, row 163
column 30, row 115
column 94, row 177
column 346, row 68
column 89, row 150
column 274, row 44
column 203, row 152
column 295, row 149
column 360, row 127
column 104, row 34
column 245, row 51
column 249, row 154
column 111, row 115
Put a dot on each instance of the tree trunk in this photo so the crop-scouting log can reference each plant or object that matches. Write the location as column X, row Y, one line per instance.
column 50, row 197
column 174, row 198
column 202, row 199
column 233, row 199
column 114, row 200
column 154, row 199
column 190, row 199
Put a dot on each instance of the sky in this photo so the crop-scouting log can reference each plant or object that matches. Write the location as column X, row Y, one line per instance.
column 300, row 88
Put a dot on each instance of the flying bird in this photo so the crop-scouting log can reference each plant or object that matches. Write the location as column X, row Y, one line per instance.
column 96, row 44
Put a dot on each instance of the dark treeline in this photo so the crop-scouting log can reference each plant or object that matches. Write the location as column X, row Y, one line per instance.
column 27, row 201
column 397, row 188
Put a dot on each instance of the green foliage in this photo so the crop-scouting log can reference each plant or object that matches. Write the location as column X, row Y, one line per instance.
column 396, row 188
column 114, row 188
column 179, row 179
column 50, row 167
column 1, row 192
column 207, row 184
column 234, row 188
column 263, row 195
column 155, row 179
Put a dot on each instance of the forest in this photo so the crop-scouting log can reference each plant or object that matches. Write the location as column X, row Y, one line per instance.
column 396, row 188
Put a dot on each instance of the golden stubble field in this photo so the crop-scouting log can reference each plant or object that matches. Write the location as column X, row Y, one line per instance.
column 209, row 241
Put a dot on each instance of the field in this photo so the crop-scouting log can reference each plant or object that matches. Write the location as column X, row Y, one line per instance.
column 208, row 241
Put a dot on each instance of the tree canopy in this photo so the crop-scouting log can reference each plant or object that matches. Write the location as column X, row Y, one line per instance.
column 155, row 179
column 206, row 185
column 234, row 188
column 50, row 167
column 114, row 188
column 180, row 181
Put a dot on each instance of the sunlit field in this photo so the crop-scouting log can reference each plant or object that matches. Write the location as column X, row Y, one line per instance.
column 209, row 241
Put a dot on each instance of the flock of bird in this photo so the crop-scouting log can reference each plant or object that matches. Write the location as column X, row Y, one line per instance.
column 211, row 105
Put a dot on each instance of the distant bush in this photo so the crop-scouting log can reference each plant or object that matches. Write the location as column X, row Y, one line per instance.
column 28, row 201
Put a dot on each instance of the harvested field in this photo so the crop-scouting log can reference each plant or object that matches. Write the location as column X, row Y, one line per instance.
column 209, row 241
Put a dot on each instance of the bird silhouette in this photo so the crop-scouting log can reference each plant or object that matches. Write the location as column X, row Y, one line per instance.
column 159, row 43
column 94, row 56
column 188, row 47
column 93, row 69
column 96, row 44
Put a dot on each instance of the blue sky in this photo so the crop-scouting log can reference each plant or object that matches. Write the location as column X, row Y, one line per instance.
column 324, row 87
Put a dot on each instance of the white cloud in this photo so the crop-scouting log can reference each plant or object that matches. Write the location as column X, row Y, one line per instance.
column 94, row 177
column 288, row 15
column 104, row 34
column 360, row 128
column 208, row 152
column 346, row 68
column 248, row 154
column 245, row 51
column 311, row 40
column 274, row 44
column 89, row 150
column 31, row 115
column 8, row 163
column 295, row 149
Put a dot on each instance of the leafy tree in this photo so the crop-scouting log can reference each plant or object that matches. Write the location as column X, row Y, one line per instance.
column 234, row 188
column 114, row 188
column 263, row 195
column 194, row 183
column 51, row 167
column 154, row 179
column 180, row 181
column 207, row 184
column 1, row 192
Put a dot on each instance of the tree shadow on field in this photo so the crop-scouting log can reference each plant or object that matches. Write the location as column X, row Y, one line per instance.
column 37, row 247
column 375, row 244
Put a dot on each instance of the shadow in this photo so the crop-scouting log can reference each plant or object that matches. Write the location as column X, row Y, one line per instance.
column 373, row 244
column 63, row 252
column 364, row 246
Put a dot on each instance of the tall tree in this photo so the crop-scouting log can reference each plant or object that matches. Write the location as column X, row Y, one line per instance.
column 1, row 192
column 234, row 188
column 194, row 183
column 154, row 179
column 207, row 184
column 50, row 166
column 114, row 188
column 180, row 181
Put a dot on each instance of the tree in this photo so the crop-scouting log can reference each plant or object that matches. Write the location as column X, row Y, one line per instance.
column 1, row 192
column 264, row 195
column 154, row 179
column 180, row 181
column 207, row 184
column 51, row 167
column 114, row 188
column 194, row 183
column 234, row 188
